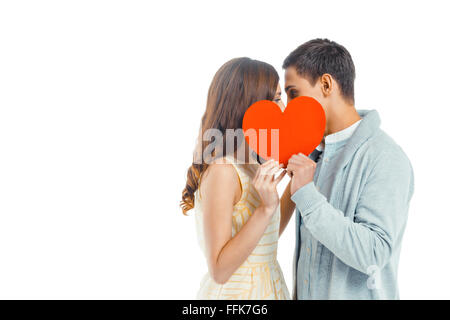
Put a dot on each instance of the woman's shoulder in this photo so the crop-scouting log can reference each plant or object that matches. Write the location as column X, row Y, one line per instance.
column 228, row 166
column 221, row 174
column 220, row 169
column 222, row 180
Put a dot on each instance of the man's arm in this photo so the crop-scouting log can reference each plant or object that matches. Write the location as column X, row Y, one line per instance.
column 380, row 217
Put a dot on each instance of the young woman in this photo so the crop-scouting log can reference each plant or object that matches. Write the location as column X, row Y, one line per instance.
column 237, row 206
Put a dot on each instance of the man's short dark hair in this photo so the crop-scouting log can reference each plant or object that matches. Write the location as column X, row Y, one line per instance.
column 319, row 56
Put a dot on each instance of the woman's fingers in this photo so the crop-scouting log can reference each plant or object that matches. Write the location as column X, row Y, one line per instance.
column 272, row 171
column 263, row 173
column 257, row 177
column 267, row 167
column 267, row 171
column 280, row 177
column 267, row 163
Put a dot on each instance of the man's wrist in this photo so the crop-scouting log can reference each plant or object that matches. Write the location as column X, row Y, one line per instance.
column 307, row 197
column 298, row 188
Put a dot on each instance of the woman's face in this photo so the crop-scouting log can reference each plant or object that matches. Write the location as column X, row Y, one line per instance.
column 279, row 102
column 277, row 98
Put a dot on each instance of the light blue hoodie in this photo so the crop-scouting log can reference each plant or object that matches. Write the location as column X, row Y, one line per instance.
column 349, row 233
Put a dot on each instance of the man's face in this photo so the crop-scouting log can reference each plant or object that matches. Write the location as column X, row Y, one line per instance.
column 296, row 86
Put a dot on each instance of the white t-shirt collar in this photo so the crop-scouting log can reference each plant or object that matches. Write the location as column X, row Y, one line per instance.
column 339, row 136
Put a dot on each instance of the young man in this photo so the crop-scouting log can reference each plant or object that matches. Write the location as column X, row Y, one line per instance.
column 352, row 194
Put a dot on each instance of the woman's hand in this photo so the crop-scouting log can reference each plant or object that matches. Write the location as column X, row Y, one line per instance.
column 266, row 185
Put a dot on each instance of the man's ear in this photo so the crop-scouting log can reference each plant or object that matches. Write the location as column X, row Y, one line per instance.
column 326, row 84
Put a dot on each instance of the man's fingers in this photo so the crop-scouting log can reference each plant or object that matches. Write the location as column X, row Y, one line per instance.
column 296, row 159
column 296, row 162
column 292, row 166
column 302, row 161
column 290, row 171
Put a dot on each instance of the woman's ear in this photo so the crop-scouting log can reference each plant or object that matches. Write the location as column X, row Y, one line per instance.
column 327, row 84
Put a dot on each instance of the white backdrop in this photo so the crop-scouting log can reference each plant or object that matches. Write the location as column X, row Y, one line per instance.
column 100, row 102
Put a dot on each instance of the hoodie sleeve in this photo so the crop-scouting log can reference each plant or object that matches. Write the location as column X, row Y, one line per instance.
column 381, row 213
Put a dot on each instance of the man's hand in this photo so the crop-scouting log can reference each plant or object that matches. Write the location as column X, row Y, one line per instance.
column 301, row 169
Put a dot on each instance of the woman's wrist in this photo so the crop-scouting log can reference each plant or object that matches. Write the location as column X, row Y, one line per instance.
column 267, row 210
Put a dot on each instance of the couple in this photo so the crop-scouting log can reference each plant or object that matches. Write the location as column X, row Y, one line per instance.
column 350, row 196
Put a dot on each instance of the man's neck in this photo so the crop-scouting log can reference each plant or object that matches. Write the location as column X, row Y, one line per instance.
column 343, row 117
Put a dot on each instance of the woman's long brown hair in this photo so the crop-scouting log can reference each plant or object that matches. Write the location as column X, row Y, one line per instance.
column 235, row 87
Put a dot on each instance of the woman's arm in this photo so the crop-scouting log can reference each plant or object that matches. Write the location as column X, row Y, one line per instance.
column 287, row 206
column 220, row 191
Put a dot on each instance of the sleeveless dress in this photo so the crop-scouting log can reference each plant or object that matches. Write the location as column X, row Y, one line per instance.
column 260, row 276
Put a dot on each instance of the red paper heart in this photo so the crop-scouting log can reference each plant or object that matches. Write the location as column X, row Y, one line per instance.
column 300, row 128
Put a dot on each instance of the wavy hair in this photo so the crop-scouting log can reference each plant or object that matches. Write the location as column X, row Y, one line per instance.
column 238, row 84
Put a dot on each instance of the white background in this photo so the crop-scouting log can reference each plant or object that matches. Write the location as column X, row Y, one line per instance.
column 100, row 102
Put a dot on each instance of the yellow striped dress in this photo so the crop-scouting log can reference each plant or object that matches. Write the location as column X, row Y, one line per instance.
column 260, row 276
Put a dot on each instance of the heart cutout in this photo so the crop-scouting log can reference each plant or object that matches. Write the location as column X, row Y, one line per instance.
column 272, row 133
